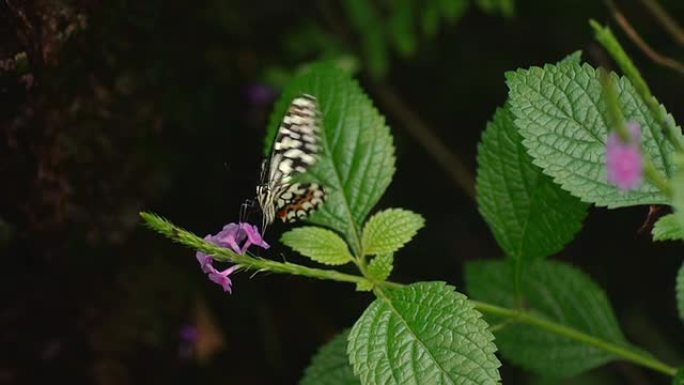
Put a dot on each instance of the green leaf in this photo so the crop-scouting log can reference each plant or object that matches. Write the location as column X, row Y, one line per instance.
column 330, row 365
column 430, row 21
column 680, row 292
column 364, row 18
column 380, row 267
column 679, row 377
column 575, row 57
column 667, row 228
column 358, row 160
column 561, row 114
column 677, row 182
column 401, row 28
column 432, row 12
column 503, row 7
column 452, row 10
column 425, row 333
column 321, row 245
column 365, row 285
column 559, row 293
column 389, row 230
column 309, row 38
column 530, row 216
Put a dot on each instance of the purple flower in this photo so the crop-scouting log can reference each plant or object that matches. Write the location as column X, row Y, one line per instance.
column 233, row 234
column 624, row 163
column 223, row 278
column 260, row 94
column 238, row 237
column 188, row 335
column 205, row 260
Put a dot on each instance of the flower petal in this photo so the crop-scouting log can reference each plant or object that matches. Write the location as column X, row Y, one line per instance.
column 624, row 162
column 222, row 280
column 231, row 235
column 253, row 235
column 205, row 261
column 229, row 270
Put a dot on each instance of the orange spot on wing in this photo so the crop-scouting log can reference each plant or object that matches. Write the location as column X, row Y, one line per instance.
column 296, row 204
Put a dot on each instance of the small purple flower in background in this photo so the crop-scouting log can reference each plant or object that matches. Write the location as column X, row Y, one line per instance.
column 260, row 95
column 188, row 333
column 236, row 236
column 188, row 336
column 624, row 162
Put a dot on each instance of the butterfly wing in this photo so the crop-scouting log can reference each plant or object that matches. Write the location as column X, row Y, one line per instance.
column 299, row 200
column 297, row 144
column 296, row 148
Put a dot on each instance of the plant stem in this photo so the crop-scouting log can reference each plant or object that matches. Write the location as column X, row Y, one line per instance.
column 623, row 352
column 442, row 154
column 610, row 96
column 391, row 285
column 187, row 238
column 219, row 253
column 295, row 269
column 666, row 20
column 605, row 36
column 654, row 55
column 656, row 177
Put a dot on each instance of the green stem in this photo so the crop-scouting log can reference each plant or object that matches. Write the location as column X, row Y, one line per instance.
column 605, row 36
column 615, row 118
column 245, row 261
column 668, row 22
column 249, row 262
column 624, row 353
column 656, row 178
column 501, row 325
column 391, row 285
column 295, row 269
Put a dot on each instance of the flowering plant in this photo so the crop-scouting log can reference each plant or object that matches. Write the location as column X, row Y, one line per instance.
column 569, row 136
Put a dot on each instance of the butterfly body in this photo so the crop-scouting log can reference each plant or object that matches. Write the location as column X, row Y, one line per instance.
column 296, row 148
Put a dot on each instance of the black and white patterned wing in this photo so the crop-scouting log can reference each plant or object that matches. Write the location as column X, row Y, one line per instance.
column 299, row 200
column 297, row 144
column 296, row 148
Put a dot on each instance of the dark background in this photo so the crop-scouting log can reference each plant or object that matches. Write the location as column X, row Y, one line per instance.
column 112, row 107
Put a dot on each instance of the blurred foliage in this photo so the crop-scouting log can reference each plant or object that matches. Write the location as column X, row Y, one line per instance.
column 402, row 24
column 503, row 7
column 368, row 32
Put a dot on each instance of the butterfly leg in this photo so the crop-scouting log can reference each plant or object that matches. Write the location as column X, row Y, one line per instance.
column 246, row 208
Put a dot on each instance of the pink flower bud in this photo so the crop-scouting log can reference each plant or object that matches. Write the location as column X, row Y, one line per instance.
column 624, row 163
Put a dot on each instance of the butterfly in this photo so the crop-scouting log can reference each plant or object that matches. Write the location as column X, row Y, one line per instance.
column 296, row 148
